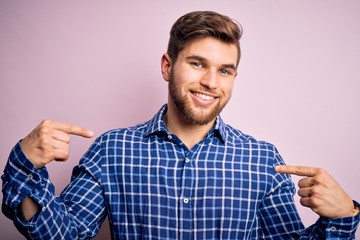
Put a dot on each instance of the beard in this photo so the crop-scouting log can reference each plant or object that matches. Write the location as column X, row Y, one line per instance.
column 201, row 116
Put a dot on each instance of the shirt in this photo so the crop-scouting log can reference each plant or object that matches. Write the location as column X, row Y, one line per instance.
column 151, row 186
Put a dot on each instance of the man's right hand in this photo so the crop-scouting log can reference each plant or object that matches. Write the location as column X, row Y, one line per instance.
column 50, row 141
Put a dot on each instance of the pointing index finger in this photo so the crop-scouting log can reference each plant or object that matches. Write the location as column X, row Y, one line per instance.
column 73, row 129
column 297, row 170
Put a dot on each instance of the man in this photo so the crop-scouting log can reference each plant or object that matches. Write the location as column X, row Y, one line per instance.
column 184, row 174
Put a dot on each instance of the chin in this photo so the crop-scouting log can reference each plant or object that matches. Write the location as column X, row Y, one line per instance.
column 201, row 119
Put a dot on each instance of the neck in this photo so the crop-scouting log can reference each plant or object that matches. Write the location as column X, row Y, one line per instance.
column 189, row 134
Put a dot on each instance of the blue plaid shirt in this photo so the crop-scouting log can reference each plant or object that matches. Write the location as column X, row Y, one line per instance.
column 151, row 186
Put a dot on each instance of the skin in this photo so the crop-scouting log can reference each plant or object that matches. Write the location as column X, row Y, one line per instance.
column 201, row 80
column 320, row 191
column 200, row 85
column 50, row 141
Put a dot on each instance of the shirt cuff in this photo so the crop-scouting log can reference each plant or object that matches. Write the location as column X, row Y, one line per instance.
column 343, row 228
column 21, row 178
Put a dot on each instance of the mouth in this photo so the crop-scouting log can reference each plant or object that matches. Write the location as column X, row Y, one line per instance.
column 204, row 99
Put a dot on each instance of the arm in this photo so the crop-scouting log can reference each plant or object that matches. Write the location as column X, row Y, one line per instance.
column 278, row 214
column 321, row 192
column 29, row 198
column 47, row 142
column 280, row 219
column 28, row 208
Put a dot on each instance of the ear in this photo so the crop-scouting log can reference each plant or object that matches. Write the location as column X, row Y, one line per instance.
column 166, row 66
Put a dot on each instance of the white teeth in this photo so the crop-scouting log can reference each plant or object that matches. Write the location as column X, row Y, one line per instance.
column 203, row 96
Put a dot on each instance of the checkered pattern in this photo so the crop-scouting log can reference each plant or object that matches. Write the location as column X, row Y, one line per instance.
column 151, row 186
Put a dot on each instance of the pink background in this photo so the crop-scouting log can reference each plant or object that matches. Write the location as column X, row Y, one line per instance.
column 97, row 64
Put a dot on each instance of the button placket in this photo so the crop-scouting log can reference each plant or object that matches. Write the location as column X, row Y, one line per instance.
column 186, row 214
column 187, row 180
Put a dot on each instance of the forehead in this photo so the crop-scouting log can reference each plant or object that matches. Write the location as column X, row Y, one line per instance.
column 211, row 49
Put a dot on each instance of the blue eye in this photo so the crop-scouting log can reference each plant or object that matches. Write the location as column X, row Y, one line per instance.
column 224, row 71
column 197, row 64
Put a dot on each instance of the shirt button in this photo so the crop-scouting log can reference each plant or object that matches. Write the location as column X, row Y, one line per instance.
column 43, row 209
column 333, row 229
column 30, row 176
column 169, row 137
column 186, row 200
column 187, row 160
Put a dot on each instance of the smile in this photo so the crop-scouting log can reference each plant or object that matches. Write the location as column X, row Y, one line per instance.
column 204, row 98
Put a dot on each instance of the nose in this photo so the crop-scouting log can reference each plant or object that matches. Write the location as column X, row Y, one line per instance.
column 210, row 79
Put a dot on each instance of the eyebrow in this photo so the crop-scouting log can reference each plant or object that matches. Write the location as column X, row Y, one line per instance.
column 199, row 58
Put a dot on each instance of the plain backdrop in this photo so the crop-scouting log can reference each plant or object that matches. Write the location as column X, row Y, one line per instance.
column 97, row 64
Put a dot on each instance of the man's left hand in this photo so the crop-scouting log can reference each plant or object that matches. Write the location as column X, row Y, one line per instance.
column 320, row 191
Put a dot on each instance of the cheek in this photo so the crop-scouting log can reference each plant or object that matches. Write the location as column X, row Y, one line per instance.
column 227, row 86
column 186, row 77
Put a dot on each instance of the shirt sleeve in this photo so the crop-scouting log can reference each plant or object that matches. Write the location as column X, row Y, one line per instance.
column 60, row 217
column 279, row 216
column 339, row 228
column 281, row 219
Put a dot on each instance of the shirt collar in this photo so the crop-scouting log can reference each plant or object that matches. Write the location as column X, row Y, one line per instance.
column 157, row 125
